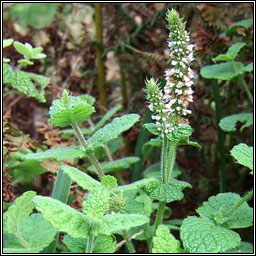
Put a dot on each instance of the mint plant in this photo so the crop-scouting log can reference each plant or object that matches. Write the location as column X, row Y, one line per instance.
column 25, row 82
column 110, row 209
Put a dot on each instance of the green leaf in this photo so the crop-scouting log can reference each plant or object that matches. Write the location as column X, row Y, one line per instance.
column 103, row 244
column 63, row 217
column 165, row 242
column 25, row 62
column 75, row 244
column 113, row 223
column 69, row 110
column 7, row 42
column 36, row 232
column 243, row 154
column 218, row 206
column 88, row 98
column 109, row 182
column 154, row 171
column 27, row 170
column 131, row 204
column 27, row 14
column 7, row 74
column 200, row 235
column 192, row 143
column 228, row 123
column 134, row 186
column 152, row 128
column 231, row 54
column 107, row 116
column 116, row 165
column 23, row 82
column 180, row 133
column 166, row 192
column 244, row 247
column 18, row 212
column 248, row 68
column 243, row 23
column 61, row 153
column 82, row 179
column 96, row 203
column 234, row 49
column 23, row 49
column 148, row 147
column 112, row 130
column 223, row 71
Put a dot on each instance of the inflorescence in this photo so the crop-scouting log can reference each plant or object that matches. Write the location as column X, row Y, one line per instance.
column 171, row 104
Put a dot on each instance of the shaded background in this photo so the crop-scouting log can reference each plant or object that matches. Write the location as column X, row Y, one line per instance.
column 133, row 48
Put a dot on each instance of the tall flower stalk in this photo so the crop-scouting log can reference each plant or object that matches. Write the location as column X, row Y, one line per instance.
column 170, row 105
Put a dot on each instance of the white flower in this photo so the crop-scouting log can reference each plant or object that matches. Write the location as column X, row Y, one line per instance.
column 190, row 47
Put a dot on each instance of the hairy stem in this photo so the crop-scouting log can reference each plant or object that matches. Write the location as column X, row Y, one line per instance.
column 171, row 159
column 244, row 199
column 83, row 142
column 128, row 242
column 164, row 156
column 246, row 89
column 90, row 242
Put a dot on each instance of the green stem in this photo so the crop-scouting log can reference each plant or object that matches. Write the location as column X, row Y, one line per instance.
column 85, row 145
column 171, row 160
column 244, row 199
column 110, row 158
column 246, row 89
column 158, row 221
column 128, row 242
column 90, row 242
column 241, row 78
column 164, row 159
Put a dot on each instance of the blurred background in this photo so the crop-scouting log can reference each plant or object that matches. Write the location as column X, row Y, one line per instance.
column 107, row 50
